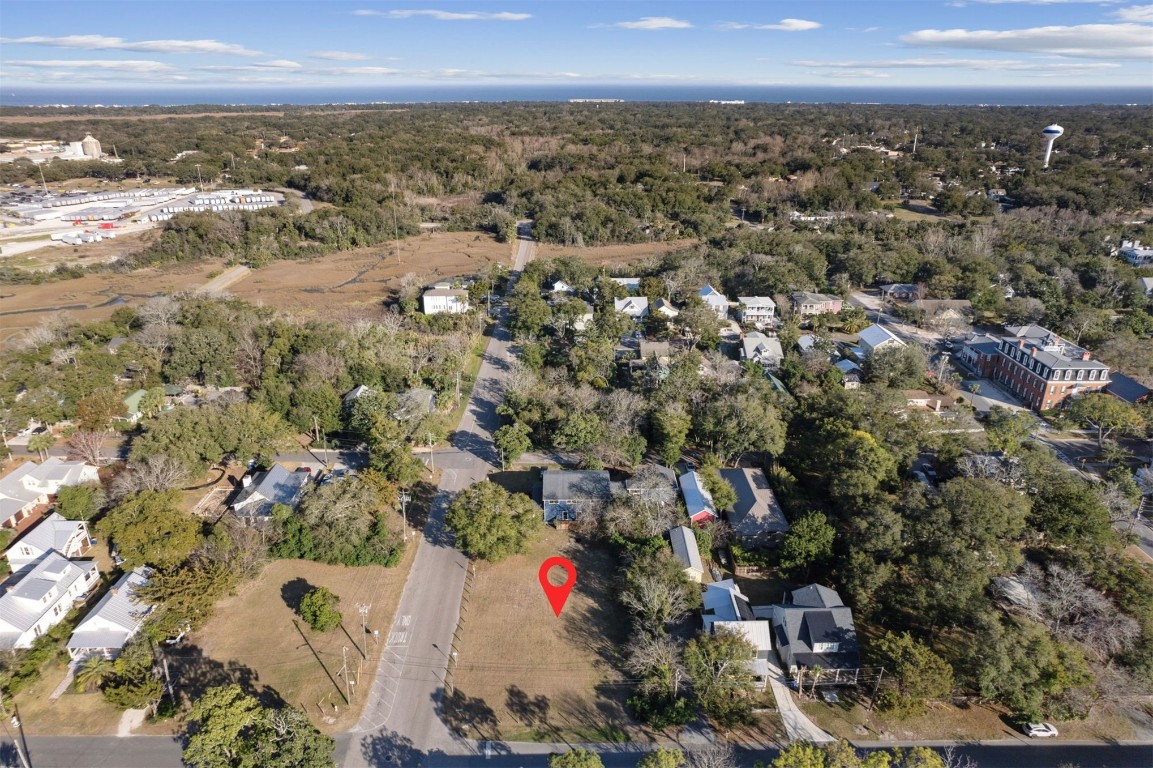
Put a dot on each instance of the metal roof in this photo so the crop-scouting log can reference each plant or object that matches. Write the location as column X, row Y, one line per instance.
column 53, row 532
column 575, row 485
column 697, row 496
column 116, row 617
column 684, row 543
column 23, row 605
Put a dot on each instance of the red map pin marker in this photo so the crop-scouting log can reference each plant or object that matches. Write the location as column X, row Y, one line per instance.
column 557, row 595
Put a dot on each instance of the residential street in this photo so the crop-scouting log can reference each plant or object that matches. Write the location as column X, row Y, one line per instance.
column 406, row 694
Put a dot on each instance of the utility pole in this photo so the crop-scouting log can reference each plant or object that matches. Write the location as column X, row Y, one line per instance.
column 431, row 455
column 404, row 498
column 363, row 608
column 458, row 387
column 316, row 430
column 344, row 673
column 18, row 739
column 43, row 183
column 198, row 176
column 168, row 680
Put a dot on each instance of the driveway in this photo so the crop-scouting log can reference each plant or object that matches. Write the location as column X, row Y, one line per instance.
column 987, row 395
column 797, row 724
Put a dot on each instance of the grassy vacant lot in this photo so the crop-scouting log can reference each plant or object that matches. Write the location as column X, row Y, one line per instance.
column 362, row 277
column 255, row 638
column 614, row 255
column 524, row 674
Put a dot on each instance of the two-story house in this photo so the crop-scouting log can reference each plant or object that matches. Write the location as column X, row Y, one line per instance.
column 806, row 304
column 757, row 311
column 442, row 298
column 42, row 598
column 715, row 300
column 32, row 485
column 814, row 628
column 68, row 537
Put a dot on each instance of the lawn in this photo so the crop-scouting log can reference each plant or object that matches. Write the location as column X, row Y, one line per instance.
column 256, row 639
column 524, row 674
column 614, row 255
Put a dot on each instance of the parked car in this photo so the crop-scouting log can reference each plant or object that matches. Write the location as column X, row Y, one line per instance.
column 1040, row 730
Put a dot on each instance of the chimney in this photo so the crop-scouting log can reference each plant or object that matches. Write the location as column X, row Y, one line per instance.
column 246, row 481
column 1032, row 351
column 1020, row 343
column 1085, row 354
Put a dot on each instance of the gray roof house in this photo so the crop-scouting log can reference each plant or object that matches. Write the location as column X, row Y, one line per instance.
column 724, row 601
column 684, row 544
column 42, row 598
column 565, row 493
column 1127, row 389
column 68, row 537
column 114, row 621
column 715, row 300
column 877, row 337
column 262, row 491
column 756, row 517
column 698, row 500
column 762, row 349
column 813, row 629
column 1146, row 285
column 636, row 307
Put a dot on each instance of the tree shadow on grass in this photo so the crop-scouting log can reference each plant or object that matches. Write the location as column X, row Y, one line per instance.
column 293, row 591
column 465, row 715
column 193, row 673
column 601, row 626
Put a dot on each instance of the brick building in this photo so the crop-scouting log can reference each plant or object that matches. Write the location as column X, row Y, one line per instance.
column 1045, row 370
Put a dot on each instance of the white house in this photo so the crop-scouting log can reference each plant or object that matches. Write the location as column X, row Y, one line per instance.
column 666, row 308
column 877, row 337
column 444, row 300
column 636, row 307
column 715, row 300
column 758, row 311
column 560, row 286
column 698, row 500
column 114, row 621
column 42, row 598
column 262, row 491
column 759, row 633
column 762, row 349
column 68, row 537
column 815, row 629
column 30, row 485
column 684, row 544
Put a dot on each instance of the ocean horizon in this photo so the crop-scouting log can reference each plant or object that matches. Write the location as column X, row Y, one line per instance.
column 775, row 94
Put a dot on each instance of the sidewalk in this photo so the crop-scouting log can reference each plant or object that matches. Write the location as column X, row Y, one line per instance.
column 797, row 724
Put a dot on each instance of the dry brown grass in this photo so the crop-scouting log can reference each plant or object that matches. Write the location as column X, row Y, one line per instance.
column 256, row 639
column 523, row 673
column 348, row 279
column 614, row 255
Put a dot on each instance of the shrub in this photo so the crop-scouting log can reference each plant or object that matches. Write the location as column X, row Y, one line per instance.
column 318, row 608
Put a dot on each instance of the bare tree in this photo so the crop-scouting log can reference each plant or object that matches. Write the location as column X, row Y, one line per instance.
column 655, row 599
column 249, row 358
column 1121, row 507
column 88, row 445
column 65, row 355
column 159, row 310
column 717, row 754
column 155, row 473
column 49, row 331
column 656, row 660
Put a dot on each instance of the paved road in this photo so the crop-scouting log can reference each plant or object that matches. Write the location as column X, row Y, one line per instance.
column 406, row 694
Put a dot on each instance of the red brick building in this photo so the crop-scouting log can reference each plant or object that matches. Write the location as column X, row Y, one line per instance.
column 1045, row 370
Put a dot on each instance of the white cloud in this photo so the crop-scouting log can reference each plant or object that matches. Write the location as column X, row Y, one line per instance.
column 654, row 22
column 1089, row 41
column 980, row 65
column 852, row 73
column 448, row 15
column 784, row 25
column 1041, row 2
column 101, row 42
column 340, row 56
column 123, row 66
column 1142, row 14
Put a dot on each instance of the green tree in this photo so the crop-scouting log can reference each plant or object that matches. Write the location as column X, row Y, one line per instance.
column 184, row 596
column 808, row 542
column 152, row 402
column 897, row 367
column 513, row 440
column 41, row 443
column 79, row 502
column 722, row 491
column 671, row 426
column 92, row 673
column 1007, row 430
column 318, row 609
column 663, row 757
column 491, row 523
column 133, row 683
column 919, row 674
column 338, row 522
column 151, row 529
column 95, row 412
column 1107, row 415
column 718, row 665
column 577, row 758
column 228, row 728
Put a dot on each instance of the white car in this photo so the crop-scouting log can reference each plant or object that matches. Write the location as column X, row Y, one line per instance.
column 1040, row 730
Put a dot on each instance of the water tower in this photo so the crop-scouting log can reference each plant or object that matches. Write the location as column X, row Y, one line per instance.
column 1051, row 133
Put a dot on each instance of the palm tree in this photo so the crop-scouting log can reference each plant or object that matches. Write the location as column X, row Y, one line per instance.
column 41, row 443
column 93, row 672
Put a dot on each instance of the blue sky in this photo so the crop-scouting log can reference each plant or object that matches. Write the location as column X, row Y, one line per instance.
column 890, row 43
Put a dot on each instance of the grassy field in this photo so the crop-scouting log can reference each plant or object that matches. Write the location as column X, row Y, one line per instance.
column 350, row 279
column 524, row 674
column 256, row 639
column 614, row 255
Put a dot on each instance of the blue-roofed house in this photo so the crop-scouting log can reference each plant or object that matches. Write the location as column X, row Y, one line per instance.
column 114, row 621
column 261, row 491
column 715, row 300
